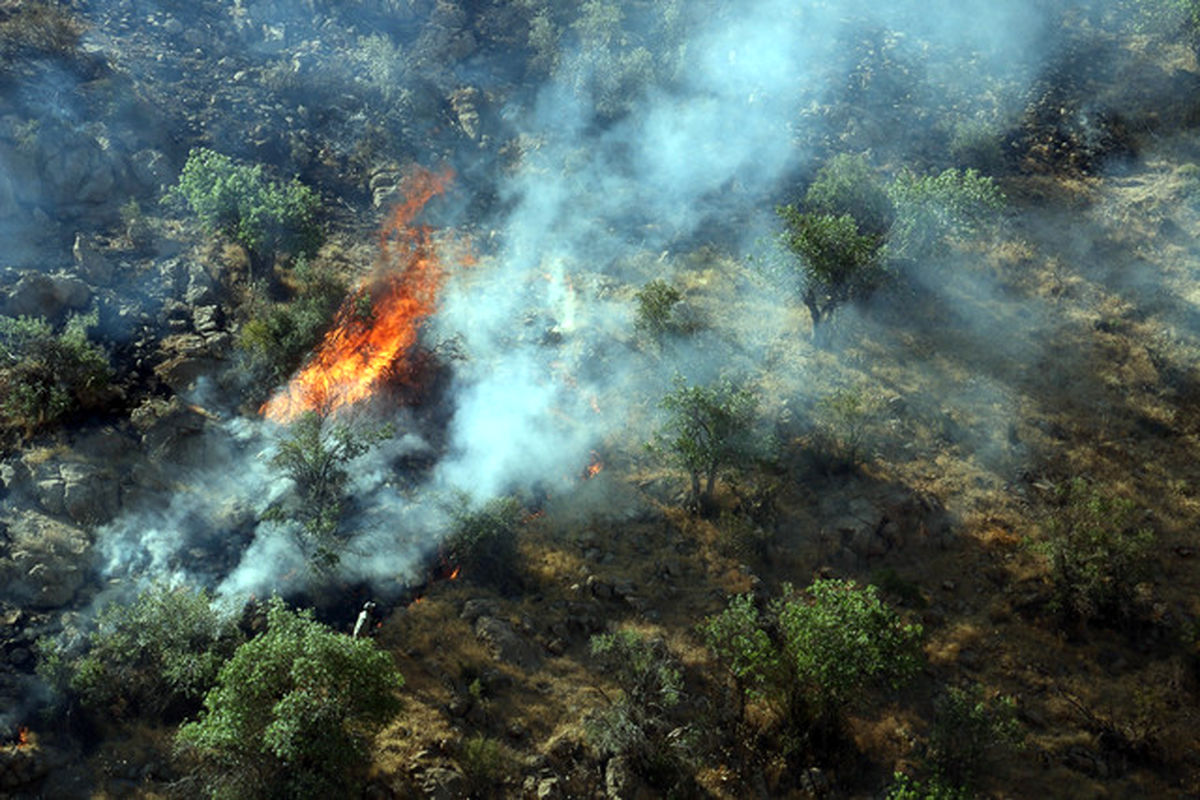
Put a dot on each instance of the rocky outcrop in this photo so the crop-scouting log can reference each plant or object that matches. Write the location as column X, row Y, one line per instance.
column 45, row 561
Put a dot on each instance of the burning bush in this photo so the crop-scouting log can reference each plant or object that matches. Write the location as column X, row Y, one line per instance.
column 293, row 712
column 262, row 215
column 45, row 376
column 484, row 541
column 154, row 656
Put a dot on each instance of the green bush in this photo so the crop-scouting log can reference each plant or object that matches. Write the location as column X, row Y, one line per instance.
column 930, row 209
column 278, row 335
column 841, row 427
column 708, row 429
column 641, row 723
column 656, row 303
column 239, row 201
column 483, row 541
column 314, row 454
column 836, row 262
column 1097, row 553
column 967, row 728
column 812, row 656
column 155, row 656
column 842, row 639
column 293, row 712
column 486, row 763
column 46, row 376
column 848, row 185
column 905, row 788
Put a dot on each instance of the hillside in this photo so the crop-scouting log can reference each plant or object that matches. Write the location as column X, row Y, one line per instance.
column 715, row 399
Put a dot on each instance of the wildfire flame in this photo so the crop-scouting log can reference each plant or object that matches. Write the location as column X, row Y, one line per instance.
column 455, row 572
column 378, row 325
column 594, row 466
column 22, row 736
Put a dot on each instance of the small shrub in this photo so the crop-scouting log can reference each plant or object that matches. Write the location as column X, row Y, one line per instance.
column 738, row 638
column 841, row 427
column 156, row 656
column 262, row 215
column 640, row 724
column 1097, row 554
column 293, row 712
column 486, row 763
column 656, row 303
column 314, row 454
column 46, row 376
column 905, row 788
column 977, row 144
column 967, row 728
column 708, row 429
column 483, row 542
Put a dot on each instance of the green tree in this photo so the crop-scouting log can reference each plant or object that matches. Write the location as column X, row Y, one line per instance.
column 656, row 303
column 738, row 638
column 708, row 429
column 156, row 656
column 847, row 184
column 45, row 376
column 314, row 454
column 293, row 712
column 837, row 262
column 239, row 201
column 1097, row 553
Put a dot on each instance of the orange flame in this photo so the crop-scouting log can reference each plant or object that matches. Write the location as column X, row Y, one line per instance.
column 454, row 573
column 22, row 736
column 378, row 325
column 593, row 468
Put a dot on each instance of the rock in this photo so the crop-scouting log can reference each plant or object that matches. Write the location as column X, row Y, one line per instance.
column 187, row 359
column 548, row 789
column 439, row 783
column 90, row 495
column 200, row 289
column 505, row 644
column 49, row 561
column 475, row 608
column 464, row 102
column 90, row 262
column 621, row 782
column 150, row 169
column 39, row 295
column 207, row 320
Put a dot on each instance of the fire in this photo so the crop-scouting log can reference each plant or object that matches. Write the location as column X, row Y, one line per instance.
column 454, row 573
column 378, row 325
column 22, row 736
column 594, row 466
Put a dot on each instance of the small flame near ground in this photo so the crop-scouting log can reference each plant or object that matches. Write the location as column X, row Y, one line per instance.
column 378, row 325
column 22, row 736
column 594, row 466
